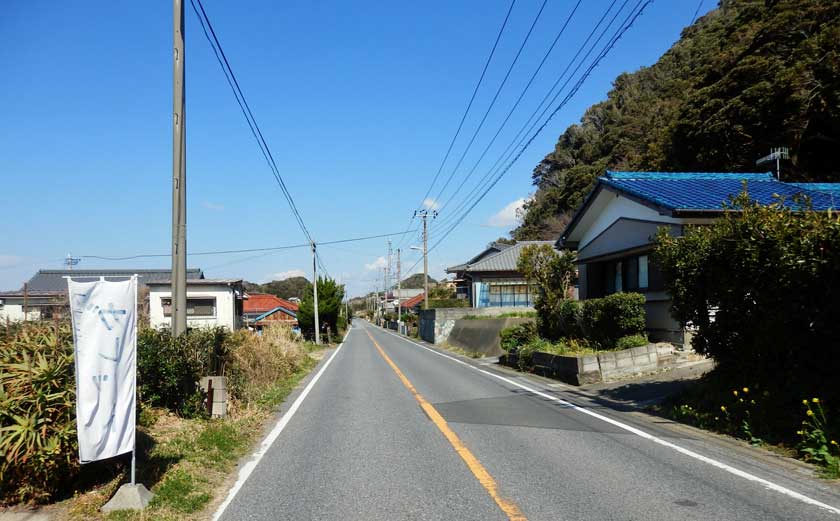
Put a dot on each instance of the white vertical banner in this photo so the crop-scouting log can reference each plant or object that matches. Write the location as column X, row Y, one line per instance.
column 104, row 318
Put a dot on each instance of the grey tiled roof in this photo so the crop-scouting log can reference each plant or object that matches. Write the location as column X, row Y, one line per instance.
column 504, row 260
column 53, row 280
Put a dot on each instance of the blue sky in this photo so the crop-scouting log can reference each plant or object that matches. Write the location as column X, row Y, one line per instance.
column 358, row 101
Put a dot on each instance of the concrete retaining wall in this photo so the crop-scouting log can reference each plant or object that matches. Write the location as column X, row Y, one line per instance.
column 482, row 336
column 436, row 324
column 608, row 365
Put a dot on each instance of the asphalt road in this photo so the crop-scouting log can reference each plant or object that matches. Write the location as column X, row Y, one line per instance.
column 393, row 430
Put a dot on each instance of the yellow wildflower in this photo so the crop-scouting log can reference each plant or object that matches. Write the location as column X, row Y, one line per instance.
column 741, row 400
column 746, row 389
column 815, row 400
column 810, row 412
column 735, row 392
column 833, row 442
column 804, row 402
column 723, row 408
column 799, row 433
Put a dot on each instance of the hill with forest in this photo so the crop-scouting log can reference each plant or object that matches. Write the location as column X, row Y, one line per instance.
column 416, row 281
column 286, row 288
column 748, row 76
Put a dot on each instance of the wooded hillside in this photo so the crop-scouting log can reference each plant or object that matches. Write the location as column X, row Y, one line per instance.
column 748, row 76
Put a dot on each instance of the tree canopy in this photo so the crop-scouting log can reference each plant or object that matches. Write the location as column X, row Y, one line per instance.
column 748, row 76
column 293, row 287
column 330, row 298
column 416, row 281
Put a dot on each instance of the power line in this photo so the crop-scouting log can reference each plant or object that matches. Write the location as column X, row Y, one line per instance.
column 247, row 250
column 696, row 12
column 493, row 101
column 632, row 16
column 472, row 98
column 529, row 126
column 466, row 111
column 515, row 105
column 219, row 52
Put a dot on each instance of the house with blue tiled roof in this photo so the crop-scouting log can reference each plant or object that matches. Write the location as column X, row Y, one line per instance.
column 613, row 229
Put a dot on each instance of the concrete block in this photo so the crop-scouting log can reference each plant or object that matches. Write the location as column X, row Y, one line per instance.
column 129, row 497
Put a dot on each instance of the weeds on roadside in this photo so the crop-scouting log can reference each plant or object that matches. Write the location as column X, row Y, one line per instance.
column 816, row 445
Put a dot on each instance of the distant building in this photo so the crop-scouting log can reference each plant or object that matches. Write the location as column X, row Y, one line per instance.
column 262, row 309
column 210, row 302
column 491, row 278
column 44, row 296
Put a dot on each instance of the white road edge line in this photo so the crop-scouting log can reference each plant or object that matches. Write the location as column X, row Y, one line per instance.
column 705, row 459
column 248, row 468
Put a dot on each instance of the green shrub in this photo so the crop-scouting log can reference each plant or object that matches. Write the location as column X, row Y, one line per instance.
column 631, row 341
column 515, row 336
column 605, row 320
column 761, row 286
column 37, row 411
column 169, row 369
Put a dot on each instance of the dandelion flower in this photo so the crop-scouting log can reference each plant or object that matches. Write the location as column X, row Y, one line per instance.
column 746, row 389
column 804, row 402
column 723, row 408
column 735, row 392
column 810, row 412
column 815, row 400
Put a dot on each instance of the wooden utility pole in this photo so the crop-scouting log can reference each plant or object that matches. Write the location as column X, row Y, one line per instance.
column 179, row 178
column 399, row 293
column 424, row 214
column 315, row 292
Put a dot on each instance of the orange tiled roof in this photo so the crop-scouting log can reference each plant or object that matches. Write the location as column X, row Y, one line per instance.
column 413, row 301
column 262, row 302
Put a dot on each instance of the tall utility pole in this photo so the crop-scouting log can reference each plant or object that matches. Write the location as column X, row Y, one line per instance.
column 315, row 292
column 424, row 214
column 179, row 178
column 388, row 272
column 399, row 293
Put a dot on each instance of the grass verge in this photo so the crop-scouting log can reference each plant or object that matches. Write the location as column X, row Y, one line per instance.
column 186, row 460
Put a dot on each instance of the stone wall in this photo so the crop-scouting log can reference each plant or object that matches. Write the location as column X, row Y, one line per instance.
column 607, row 365
column 436, row 324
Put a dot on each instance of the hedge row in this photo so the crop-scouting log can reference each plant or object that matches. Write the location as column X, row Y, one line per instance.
column 601, row 321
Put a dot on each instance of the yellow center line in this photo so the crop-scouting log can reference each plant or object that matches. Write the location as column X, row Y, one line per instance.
column 508, row 507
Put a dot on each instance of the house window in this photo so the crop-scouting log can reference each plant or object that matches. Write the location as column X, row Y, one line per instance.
column 643, row 271
column 196, row 307
column 619, row 287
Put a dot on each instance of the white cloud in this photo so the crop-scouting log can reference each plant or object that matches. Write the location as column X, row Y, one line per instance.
column 510, row 215
column 430, row 204
column 216, row 207
column 8, row 261
column 381, row 262
column 283, row 275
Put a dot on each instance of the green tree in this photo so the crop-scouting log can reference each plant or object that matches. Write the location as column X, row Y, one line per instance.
column 330, row 304
column 553, row 273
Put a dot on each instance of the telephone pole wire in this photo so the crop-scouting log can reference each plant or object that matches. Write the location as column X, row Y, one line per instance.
column 179, row 178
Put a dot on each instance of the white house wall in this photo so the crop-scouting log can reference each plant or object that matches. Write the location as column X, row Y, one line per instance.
column 14, row 313
column 614, row 208
column 225, row 307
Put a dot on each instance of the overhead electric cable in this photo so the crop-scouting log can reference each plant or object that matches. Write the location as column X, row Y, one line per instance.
column 529, row 126
column 515, row 105
column 221, row 57
column 247, row 250
column 623, row 28
column 493, row 101
column 464, row 115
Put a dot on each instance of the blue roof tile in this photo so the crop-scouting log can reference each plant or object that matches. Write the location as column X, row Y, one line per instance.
column 704, row 191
